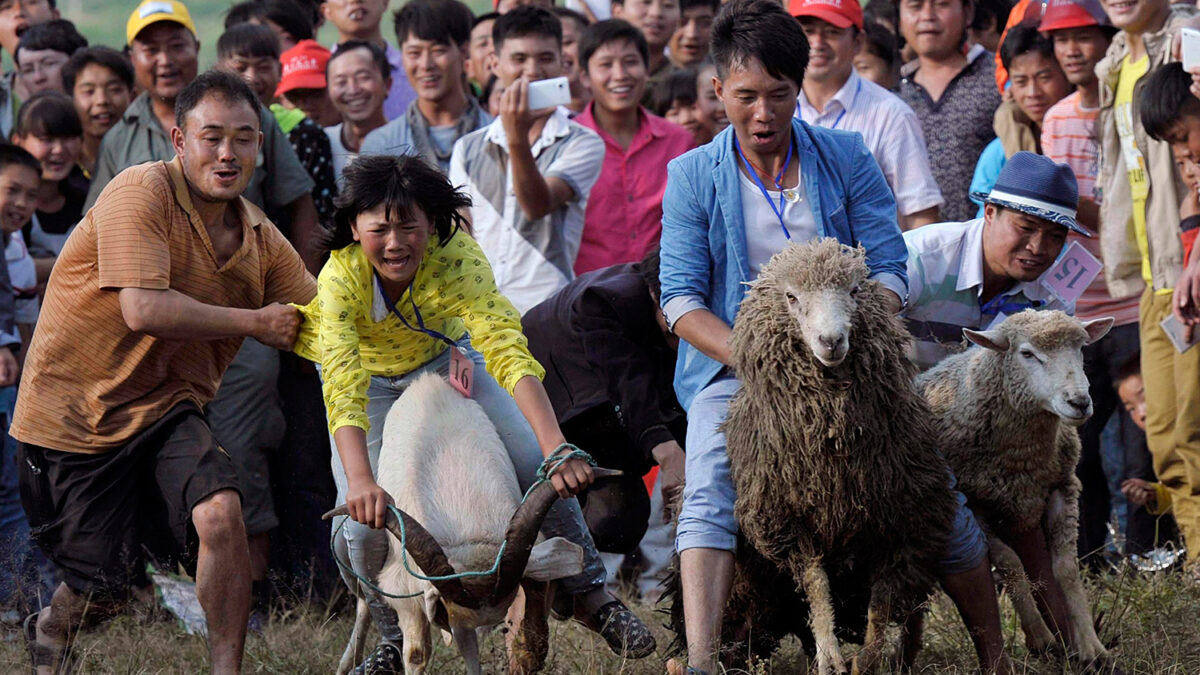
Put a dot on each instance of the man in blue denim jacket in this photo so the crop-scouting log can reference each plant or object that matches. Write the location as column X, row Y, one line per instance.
column 729, row 206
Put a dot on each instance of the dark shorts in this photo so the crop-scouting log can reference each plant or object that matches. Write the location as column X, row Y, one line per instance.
column 96, row 515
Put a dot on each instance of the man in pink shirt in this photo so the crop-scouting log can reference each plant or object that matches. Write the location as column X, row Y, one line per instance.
column 623, row 220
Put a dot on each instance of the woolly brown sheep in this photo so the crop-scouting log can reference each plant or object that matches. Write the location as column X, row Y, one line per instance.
column 833, row 457
column 1007, row 417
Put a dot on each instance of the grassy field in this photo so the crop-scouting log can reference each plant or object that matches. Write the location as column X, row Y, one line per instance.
column 1153, row 620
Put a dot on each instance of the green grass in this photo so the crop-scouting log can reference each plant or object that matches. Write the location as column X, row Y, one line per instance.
column 1153, row 619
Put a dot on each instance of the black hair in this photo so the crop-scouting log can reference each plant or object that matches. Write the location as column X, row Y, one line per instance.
column 49, row 114
column 763, row 31
column 678, row 87
column 446, row 22
column 1165, row 99
column 882, row 12
column 107, row 57
column 526, row 21
column 224, row 84
column 58, row 34
column 601, row 33
column 1131, row 366
column 1024, row 39
column 402, row 183
column 489, row 16
column 685, row 5
column 248, row 40
column 990, row 13
column 649, row 267
column 882, row 43
column 565, row 13
column 11, row 154
column 377, row 55
column 297, row 19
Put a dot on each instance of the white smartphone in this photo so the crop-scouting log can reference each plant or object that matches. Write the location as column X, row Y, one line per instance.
column 1190, row 38
column 549, row 93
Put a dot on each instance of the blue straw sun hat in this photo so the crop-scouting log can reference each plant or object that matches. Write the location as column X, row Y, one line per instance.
column 1036, row 185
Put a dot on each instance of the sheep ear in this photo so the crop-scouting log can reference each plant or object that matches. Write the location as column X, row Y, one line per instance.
column 988, row 339
column 1098, row 328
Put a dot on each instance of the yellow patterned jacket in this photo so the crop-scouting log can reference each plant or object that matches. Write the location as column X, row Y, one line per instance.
column 349, row 330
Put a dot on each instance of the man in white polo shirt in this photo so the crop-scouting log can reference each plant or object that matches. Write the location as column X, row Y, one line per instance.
column 973, row 274
column 835, row 96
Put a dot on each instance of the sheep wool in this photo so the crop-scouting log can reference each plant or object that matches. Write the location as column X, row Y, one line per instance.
column 835, row 467
column 1001, row 425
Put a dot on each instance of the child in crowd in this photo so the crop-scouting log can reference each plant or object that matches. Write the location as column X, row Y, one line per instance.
column 877, row 61
column 100, row 81
column 405, row 291
column 48, row 128
column 710, row 107
column 251, row 52
column 1037, row 83
column 20, row 179
column 303, row 85
column 1148, row 499
column 676, row 101
column 1170, row 114
column 41, row 54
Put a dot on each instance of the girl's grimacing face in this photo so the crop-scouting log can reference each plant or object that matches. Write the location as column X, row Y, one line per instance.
column 393, row 247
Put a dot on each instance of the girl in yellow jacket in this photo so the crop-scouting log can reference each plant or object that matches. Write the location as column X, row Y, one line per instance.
column 406, row 291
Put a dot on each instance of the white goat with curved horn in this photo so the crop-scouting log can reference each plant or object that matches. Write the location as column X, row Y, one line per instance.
column 457, row 495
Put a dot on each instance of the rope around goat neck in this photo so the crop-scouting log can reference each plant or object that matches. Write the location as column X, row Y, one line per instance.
column 544, row 472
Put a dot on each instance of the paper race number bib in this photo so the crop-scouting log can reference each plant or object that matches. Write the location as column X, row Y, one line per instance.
column 461, row 369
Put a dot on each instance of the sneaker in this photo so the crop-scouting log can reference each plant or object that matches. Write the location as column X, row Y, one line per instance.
column 385, row 660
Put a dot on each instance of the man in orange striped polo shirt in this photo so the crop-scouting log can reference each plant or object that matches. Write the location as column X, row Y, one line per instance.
column 150, row 300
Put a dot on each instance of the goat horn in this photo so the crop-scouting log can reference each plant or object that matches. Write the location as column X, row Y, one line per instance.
column 426, row 552
column 522, row 533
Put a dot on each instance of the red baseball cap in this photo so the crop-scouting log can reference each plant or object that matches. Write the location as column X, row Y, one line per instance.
column 303, row 67
column 840, row 13
column 1061, row 14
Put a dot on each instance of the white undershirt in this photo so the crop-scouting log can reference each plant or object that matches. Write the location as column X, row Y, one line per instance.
column 764, row 236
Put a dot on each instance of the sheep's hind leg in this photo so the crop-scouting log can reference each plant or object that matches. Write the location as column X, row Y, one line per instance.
column 815, row 584
column 1038, row 638
column 1062, row 522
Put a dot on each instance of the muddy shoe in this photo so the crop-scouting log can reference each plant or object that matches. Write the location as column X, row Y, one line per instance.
column 385, row 660
column 624, row 632
column 58, row 659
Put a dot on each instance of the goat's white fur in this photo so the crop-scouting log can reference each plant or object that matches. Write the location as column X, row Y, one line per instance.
column 444, row 464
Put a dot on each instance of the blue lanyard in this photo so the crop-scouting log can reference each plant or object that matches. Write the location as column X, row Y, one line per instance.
column 779, row 177
column 1002, row 304
column 416, row 314
column 843, row 113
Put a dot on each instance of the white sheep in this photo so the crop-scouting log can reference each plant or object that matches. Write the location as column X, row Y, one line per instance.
column 1007, row 416
column 451, row 478
column 839, row 485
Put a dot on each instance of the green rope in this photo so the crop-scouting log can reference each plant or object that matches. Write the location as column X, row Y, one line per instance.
column 549, row 465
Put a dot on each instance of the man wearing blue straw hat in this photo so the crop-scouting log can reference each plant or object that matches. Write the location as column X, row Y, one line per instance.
column 975, row 273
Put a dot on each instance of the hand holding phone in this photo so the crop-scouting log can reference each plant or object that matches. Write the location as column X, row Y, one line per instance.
column 549, row 93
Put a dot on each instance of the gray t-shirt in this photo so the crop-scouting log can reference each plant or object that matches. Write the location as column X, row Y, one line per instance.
column 443, row 138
